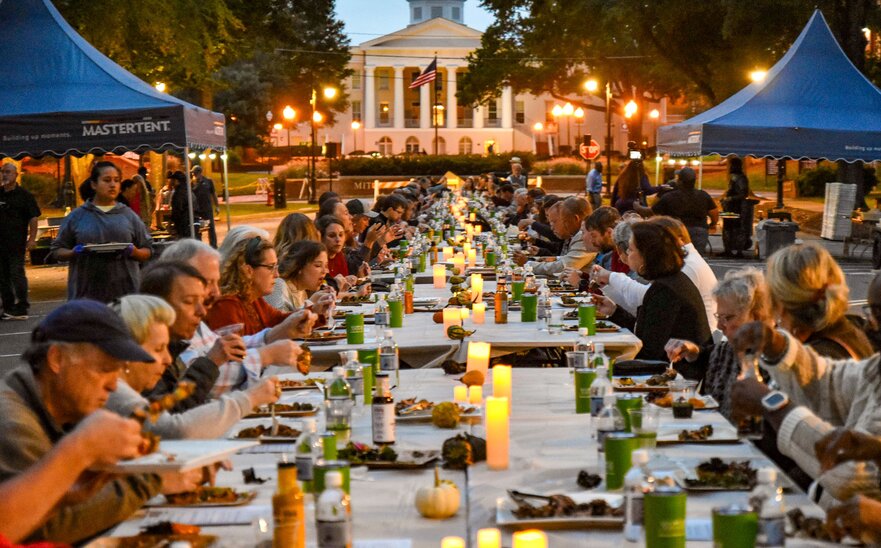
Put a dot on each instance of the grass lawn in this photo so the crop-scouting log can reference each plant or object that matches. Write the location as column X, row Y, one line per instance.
column 260, row 209
column 241, row 184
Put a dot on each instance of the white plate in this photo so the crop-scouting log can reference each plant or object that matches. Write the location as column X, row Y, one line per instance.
column 505, row 516
column 187, row 454
column 687, row 469
column 668, row 433
column 425, row 300
column 106, row 248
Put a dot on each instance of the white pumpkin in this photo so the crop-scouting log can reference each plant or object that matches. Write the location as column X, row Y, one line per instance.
column 440, row 501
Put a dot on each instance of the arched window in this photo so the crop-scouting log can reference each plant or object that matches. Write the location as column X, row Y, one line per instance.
column 385, row 146
column 465, row 145
column 441, row 145
column 412, row 145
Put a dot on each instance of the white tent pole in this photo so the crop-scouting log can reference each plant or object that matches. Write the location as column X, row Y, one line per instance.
column 224, row 157
column 189, row 191
column 700, row 174
column 657, row 167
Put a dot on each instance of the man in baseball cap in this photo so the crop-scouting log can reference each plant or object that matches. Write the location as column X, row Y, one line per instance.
column 74, row 360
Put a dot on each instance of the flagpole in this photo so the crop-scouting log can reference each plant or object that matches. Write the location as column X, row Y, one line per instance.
column 434, row 106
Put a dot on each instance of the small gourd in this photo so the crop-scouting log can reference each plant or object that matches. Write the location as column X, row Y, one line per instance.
column 440, row 501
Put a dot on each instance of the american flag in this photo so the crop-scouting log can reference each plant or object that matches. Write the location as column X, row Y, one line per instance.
column 428, row 75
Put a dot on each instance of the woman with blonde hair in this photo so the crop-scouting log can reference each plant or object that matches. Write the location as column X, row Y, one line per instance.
column 149, row 318
column 236, row 235
column 294, row 228
column 741, row 297
column 810, row 297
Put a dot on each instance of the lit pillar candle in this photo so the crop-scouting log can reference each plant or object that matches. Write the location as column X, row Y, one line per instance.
column 472, row 258
column 439, row 272
column 489, row 538
column 478, row 229
column 465, row 313
column 460, row 394
column 502, row 383
column 478, row 312
column 476, row 287
column 478, row 357
column 459, row 262
column 472, row 217
column 452, row 316
column 447, row 253
column 469, row 232
column 496, row 424
column 475, row 395
column 531, row 538
column 466, row 248
column 452, row 542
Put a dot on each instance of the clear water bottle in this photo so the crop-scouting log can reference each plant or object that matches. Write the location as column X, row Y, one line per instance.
column 600, row 359
column 544, row 305
column 637, row 483
column 389, row 359
column 308, row 450
column 380, row 317
column 608, row 421
column 584, row 344
column 766, row 500
column 338, row 407
column 354, row 373
column 599, row 389
column 529, row 285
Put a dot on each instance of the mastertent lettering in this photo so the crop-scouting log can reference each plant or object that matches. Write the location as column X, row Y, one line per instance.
column 124, row 128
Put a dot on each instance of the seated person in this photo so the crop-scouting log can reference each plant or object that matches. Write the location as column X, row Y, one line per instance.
column 74, row 360
column 672, row 306
column 301, row 283
column 566, row 219
column 149, row 318
column 503, row 196
column 597, row 232
column 816, row 395
column 268, row 347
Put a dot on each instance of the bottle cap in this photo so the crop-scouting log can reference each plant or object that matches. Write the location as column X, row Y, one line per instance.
column 388, row 333
column 767, row 475
column 333, row 479
column 582, row 331
column 600, row 348
column 639, row 457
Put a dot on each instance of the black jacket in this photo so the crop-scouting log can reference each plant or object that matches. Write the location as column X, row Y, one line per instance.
column 672, row 308
column 202, row 372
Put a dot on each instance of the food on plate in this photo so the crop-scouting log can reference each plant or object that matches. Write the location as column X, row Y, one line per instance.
column 626, row 381
column 463, row 450
column 171, row 528
column 666, row 400
column 563, row 506
column 452, row 367
column 356, row 299
column 812, row 528
column 440, row 501
column 357, row 453
column 261, row 430
column 411, row 405
column 473, row 378
column 445, row 415
column 726, row 475
column 662, row 379
column 588, row 480
column 601, row 325
column 286, row 407
column 205, row 494
column 699, row 434
column 287, row 384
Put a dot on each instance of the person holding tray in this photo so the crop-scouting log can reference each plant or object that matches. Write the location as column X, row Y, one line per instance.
column 104, row 241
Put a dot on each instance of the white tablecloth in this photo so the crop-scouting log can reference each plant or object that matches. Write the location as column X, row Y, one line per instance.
column 549, row 445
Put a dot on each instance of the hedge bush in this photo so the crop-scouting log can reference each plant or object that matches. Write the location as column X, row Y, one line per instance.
column 813, row 182
column 43, row 187
column 430, row 165
column 560, row 166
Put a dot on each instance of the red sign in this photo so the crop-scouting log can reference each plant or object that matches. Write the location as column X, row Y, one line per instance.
column 589, row 152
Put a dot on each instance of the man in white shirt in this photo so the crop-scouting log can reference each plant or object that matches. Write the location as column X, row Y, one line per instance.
column 566, row 222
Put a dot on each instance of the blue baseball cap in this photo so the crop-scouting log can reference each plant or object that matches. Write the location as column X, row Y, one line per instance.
column 88, row 321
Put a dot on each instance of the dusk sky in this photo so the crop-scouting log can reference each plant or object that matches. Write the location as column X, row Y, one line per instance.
column 367, row 19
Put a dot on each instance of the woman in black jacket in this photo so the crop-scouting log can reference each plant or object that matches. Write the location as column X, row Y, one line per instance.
column 672, row 306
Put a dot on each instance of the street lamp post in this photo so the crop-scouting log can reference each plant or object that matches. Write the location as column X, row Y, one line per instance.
column 356, row 125
column 568, row 109
column 317, row 117
column 289, row 114
column 557, row 111
column 579, row 118
column 654, row 114
column 629, row 111
column 537, row 128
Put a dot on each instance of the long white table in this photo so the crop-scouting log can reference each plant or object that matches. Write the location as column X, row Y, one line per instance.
column 549, row 445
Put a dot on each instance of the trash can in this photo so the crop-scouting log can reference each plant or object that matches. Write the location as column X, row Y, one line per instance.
column 279, row 193
column 773, row 235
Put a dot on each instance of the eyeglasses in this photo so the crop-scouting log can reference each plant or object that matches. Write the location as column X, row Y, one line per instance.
column 271, row 267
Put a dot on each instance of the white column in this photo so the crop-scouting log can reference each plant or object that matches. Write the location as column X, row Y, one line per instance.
column 369, row 108
column 425, row 105
column 452, row 104
column 507, row 107
column 478, row 117
column 399, row 97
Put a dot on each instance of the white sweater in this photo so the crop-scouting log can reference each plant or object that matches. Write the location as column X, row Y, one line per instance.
column 829, row 394
column 209, row 420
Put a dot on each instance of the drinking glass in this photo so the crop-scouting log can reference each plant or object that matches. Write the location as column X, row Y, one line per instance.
column 644, row 423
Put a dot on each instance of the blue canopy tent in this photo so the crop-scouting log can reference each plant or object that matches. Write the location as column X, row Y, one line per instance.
column 62, row 96
column 813, row 103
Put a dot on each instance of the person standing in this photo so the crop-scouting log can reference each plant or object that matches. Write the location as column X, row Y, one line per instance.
column 737, row 233
column 206, row 205
column 691, row 206
column 517, row 178
column 18, row 229
column 595, row 186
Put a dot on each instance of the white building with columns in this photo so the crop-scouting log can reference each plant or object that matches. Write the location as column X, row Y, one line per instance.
column 393, row 119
